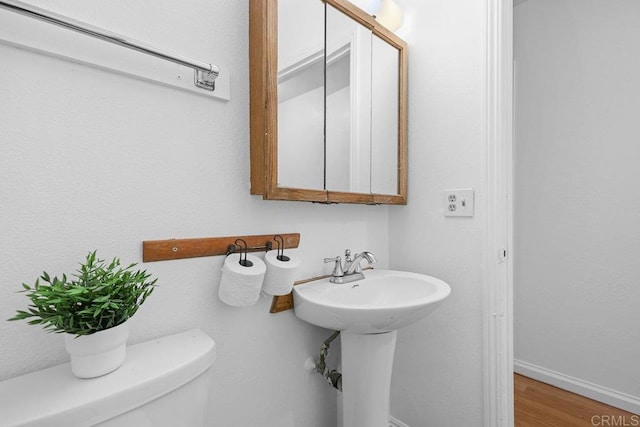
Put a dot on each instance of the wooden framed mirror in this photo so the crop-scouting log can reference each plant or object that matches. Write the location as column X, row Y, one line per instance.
column 328, row 104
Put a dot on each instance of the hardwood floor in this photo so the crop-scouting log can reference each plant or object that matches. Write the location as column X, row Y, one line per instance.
column 541, row 405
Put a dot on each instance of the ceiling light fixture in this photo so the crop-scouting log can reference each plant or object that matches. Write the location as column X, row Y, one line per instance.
column 390, row 15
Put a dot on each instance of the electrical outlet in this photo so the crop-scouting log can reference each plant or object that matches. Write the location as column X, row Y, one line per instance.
column 458, row 202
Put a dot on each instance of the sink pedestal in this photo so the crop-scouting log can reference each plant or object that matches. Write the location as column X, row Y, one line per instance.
column 367, row 360
column 368, row 313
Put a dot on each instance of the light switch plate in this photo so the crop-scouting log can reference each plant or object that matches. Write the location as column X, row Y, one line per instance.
column 458, row 202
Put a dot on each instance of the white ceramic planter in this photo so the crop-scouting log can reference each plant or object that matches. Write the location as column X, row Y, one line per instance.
column 99, row 353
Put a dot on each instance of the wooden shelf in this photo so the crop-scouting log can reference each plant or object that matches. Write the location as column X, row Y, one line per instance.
column 164, row 250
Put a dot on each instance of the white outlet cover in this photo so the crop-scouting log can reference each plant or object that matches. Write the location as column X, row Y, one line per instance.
column 459, row 202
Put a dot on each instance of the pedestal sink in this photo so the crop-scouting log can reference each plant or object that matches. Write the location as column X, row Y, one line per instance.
column 368, row 313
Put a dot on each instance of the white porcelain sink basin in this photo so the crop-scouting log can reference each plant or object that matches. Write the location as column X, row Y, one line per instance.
column 384, row 301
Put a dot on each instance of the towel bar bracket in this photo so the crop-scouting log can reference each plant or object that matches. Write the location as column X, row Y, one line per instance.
column 204, row 80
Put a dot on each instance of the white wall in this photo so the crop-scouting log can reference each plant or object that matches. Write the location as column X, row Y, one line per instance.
column 438, row 367
column 577, row 199
column 94, row 160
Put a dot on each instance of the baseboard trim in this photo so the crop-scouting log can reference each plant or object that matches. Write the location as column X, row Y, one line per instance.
column 592, row 391
column 396, row 423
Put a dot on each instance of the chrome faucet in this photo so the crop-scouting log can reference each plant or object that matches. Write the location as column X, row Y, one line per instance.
column 353, row 267
column 351, row 271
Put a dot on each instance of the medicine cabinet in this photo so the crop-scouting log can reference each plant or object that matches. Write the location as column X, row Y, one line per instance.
column 328, row 104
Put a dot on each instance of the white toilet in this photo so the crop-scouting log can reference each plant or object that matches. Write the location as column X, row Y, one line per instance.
column 163, row 383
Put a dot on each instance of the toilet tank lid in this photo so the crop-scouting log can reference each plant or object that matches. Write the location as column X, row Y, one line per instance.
column 54, row 397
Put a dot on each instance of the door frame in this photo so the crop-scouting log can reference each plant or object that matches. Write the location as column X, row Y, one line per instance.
column 498, row 227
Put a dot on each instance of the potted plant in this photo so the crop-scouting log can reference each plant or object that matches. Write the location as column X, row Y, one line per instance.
column 91, row 309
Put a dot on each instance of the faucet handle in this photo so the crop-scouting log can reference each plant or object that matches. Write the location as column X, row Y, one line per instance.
column 337, row 268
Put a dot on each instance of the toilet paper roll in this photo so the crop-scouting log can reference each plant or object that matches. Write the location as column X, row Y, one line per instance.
column 280, row 274
column 240, row 286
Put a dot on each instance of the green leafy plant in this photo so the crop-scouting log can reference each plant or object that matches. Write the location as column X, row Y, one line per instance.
column 99, row 297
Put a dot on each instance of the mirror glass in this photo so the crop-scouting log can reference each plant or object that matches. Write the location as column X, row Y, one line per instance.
column 348, row 139
column 362, row 79
column 301, row 92
column 385, row 129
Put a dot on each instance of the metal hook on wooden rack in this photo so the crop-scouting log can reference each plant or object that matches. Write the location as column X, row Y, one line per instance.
column 280, row 242
column 243, row 262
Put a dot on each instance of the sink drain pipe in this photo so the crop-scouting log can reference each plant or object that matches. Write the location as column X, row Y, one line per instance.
column 332, row 376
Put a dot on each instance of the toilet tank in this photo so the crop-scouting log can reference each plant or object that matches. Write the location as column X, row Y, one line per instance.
column 163, row 383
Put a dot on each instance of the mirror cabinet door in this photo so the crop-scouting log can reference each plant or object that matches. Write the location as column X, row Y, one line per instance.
column 348, row 103
column 385, row 107
column 301, row 94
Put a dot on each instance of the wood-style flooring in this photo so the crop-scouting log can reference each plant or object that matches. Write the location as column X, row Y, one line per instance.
column 541, row 405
